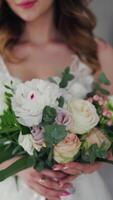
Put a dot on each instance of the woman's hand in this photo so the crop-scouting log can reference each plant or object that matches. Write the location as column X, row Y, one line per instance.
column 46, row 183
column 74, row 169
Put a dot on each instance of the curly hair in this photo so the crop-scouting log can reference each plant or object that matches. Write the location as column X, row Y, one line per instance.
column 72, row 18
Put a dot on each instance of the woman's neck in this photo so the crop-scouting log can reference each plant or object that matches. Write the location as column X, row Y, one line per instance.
column 42, row 30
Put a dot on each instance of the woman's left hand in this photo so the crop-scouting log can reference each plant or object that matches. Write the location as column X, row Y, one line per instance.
column 74, row 169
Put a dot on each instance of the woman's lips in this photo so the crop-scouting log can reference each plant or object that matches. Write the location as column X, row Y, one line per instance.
column 27, row 4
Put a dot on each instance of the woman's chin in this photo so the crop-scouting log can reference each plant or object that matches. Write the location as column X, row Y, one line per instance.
column 28, row 17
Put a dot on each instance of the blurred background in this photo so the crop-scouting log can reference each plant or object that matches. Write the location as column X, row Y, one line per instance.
column 103, row 10
column 104, row 13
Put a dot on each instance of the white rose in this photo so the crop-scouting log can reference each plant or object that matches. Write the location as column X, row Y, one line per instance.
column 65, row 150
column 30, row 99
column 84, row 116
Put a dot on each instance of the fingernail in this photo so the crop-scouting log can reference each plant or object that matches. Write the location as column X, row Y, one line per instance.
column 56, row 179
column 65, row 194
column 65, row 167
column 56, row 168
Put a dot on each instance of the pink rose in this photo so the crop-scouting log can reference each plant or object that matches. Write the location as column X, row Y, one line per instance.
column 65, row 150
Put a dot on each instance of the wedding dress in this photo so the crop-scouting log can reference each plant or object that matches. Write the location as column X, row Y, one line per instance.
column 88, row 186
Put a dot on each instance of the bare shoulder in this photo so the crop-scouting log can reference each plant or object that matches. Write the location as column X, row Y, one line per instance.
column 105, row 54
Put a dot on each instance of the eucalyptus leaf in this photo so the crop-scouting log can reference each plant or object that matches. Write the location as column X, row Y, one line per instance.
column 66, row 77
column 61, row 101
column 103, row 79
column 54, row 134
column 104, row 91
column 49, row 115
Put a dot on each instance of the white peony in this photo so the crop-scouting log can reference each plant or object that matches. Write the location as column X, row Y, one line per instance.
column 84, row 116
column 30, row 99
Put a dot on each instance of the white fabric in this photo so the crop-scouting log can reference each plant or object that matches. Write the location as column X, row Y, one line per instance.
column 88, row 186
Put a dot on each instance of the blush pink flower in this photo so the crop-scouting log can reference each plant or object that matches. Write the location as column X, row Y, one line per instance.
column 37, row 138
column 65, row 150
column 63, row 117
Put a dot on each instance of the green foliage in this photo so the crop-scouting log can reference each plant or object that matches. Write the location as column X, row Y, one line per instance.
column 54, row 134
column 108, row 130
column 103, row 79
column 8, row 122
column 98, row 88
column 66, row 77
column 25, row 130
column 43, row 159
column 94, row 152
column 49, row 115
column 61, row 101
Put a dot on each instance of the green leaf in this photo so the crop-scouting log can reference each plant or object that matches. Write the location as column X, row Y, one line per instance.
column 61, row 101
column 8, row 122
column 49, row 115
column 25, row 130
column 104, row 91
column 103, row 79
column 94, row 152
column 21, row 164
column 66, row 77
column 40, row 165
column 108, row 130
column 5, row 154
column 54, row 134
column 90, row 154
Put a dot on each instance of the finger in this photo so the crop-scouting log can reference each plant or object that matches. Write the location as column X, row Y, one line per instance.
column 110, row 155
column 69, row 179
column 52, row 184
column 48, row 193
column 85, row 168
column 71, row 171
column 53, row 175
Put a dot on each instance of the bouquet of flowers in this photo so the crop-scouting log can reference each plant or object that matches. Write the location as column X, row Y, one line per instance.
column 44, row 122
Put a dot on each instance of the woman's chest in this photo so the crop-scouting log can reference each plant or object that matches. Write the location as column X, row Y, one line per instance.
column 41, row 64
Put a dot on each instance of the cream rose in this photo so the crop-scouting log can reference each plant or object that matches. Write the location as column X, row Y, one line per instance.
column 65, row 150
column 84, row 116
column 96, row 136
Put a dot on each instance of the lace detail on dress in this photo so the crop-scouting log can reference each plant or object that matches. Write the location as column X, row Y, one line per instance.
column 82, row 74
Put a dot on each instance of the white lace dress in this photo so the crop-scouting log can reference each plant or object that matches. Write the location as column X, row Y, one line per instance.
column 88, row 186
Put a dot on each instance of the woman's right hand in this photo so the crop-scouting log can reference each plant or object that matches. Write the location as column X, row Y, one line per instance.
column 46, row 183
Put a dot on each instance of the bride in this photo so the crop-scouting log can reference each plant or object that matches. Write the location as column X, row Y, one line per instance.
column 40, row 38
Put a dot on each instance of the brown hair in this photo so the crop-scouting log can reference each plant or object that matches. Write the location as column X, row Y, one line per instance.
column 73, row 20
